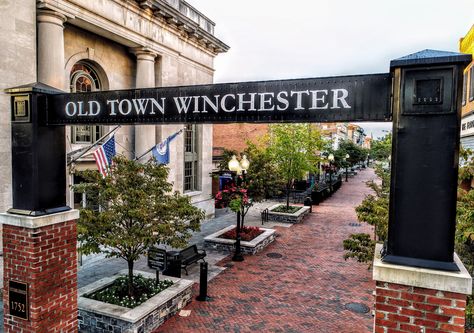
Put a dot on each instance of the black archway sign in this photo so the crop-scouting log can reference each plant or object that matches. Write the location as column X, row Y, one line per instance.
column 421, row 95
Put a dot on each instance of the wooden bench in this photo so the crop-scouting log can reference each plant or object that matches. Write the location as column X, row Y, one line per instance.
column 190, row 255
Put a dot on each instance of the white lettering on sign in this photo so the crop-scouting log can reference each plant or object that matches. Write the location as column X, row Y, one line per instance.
column 233, row 102
column 467, row 126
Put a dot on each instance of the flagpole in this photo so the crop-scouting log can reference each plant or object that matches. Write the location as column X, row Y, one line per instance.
column 149, row 150
column 94, row 144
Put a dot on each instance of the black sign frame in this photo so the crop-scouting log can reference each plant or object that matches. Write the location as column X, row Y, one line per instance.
column 327, row 99
column 157, row 258
column 18, row 299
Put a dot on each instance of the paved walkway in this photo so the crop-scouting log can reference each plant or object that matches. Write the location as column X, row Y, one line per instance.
column 305, row 290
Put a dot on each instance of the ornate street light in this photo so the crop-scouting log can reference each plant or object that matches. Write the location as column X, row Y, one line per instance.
column 331, row 159
column 347, row 158
column 238, row 168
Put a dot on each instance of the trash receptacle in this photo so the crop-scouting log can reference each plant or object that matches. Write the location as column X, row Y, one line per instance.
column 173, row 267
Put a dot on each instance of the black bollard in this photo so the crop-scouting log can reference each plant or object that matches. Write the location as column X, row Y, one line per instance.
column 308, row 202
column 203, row 283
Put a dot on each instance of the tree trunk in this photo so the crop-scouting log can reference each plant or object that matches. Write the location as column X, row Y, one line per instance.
column 130, row 277
column 287, row 196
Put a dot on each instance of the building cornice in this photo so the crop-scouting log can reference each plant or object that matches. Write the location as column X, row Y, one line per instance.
column 158, row 17
column 185, row 25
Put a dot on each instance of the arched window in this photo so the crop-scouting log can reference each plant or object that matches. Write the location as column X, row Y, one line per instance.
column 84, row 79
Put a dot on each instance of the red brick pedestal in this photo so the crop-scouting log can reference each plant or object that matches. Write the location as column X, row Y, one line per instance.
column 410, row 299
column 41, row 252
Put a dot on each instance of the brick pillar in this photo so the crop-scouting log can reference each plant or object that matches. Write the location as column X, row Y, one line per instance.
column 41, row 252
column 411, row 299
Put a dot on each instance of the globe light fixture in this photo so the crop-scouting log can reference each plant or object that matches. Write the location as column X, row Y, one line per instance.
column 244, row 163
column 234, row 165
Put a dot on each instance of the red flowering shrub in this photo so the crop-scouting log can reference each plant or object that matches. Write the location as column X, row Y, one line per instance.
column 234, row 197
column 246, row 233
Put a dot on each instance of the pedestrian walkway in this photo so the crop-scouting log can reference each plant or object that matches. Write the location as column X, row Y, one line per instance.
column 300, row 283
column 97, row 266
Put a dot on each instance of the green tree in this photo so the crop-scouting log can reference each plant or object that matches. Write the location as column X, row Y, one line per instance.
column 465, row 212
column 381, row 149
column 137, row 210
column 356, row 154
column 294, row 148
column 262, row 178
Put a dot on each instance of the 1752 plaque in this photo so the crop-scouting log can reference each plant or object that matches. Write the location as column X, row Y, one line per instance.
column 18, row 298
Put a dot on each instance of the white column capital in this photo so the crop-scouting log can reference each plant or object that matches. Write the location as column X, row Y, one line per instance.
column 144, row 53
column 50, row 16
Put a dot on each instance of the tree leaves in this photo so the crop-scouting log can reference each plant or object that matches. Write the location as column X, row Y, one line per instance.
column 295, row 150
column 136, row 211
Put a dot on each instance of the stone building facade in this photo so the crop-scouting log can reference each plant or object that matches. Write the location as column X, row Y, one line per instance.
column 83, row 45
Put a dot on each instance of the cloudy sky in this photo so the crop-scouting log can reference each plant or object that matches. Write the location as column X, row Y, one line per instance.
column 276, row 39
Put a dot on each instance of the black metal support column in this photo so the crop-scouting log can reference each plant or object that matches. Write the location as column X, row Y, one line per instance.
column 38, row 154
column 427, row 93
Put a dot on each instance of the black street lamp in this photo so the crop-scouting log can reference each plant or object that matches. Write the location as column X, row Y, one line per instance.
column 331, row 159
column 238, row 169
column 346, row 159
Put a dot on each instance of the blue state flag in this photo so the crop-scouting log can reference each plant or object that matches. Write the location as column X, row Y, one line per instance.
column 161, row 152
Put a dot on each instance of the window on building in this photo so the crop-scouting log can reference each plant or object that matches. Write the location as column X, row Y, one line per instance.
column 471, row 84
column 191, row 159
column 84, row 79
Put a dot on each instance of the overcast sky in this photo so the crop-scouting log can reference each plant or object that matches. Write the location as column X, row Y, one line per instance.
column 276, row 39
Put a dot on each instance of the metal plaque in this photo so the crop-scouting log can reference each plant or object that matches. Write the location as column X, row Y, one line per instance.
column 428, row 91
column 18, row 299
column 331, row 99
column 21, row 108
column 157, row 258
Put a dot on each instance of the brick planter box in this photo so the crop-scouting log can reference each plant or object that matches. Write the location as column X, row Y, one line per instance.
column 96, row 316
column 214, row 241
column 293, row 218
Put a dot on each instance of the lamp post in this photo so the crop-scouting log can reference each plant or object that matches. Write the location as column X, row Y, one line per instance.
column 238, row 168
column 331, row 159
column 347, row 157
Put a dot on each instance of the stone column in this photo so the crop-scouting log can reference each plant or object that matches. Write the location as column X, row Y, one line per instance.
column 51, row 49
column 51, row 62
column 40, row 272
column 145, row 135
column 412, row 299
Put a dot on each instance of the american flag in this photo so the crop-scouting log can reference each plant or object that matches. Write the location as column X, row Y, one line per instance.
column 103, row 156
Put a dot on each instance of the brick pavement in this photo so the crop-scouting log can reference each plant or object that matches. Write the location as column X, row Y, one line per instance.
column 304, row 291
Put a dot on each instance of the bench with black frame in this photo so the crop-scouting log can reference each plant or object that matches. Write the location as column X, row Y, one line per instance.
column 190, row 255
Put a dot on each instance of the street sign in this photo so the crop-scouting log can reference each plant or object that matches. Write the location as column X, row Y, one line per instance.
column 330, row 99
column 157, row 259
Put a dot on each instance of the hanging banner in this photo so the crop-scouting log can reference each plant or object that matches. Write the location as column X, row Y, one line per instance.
column 330, row 99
